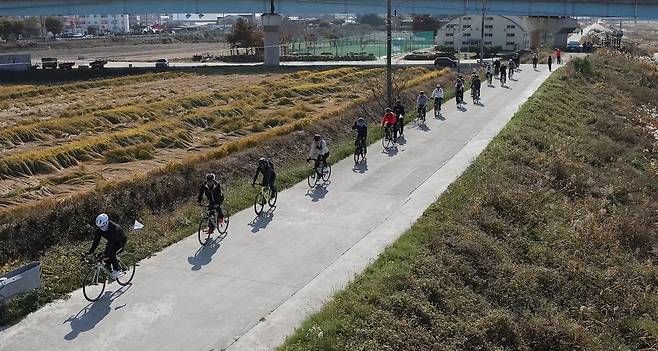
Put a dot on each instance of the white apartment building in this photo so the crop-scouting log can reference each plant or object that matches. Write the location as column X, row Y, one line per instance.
column 507, row 32
column 106, row 23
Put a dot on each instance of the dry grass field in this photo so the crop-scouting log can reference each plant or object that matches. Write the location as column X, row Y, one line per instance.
column 60, row 139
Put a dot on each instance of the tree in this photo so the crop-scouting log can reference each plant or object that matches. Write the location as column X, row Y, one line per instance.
column 245, row 35
column 54, row 25
column 425, row 23
column 18, row 28
column 6, row 29
column 32, row 27
column 372, row 19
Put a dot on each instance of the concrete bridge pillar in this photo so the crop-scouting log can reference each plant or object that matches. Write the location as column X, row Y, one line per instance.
column 558, row 27
column 271, row 27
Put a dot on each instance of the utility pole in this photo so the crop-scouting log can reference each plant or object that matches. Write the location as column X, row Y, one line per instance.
column 389, row 73
column 482, row 36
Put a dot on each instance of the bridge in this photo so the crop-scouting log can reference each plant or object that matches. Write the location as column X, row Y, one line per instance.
column 640, row 9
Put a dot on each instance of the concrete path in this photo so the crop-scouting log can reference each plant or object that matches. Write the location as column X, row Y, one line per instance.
column 252, row 289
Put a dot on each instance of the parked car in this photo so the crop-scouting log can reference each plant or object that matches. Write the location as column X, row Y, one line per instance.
column 445, row 62
column 98, row 64
column 573, row 46
column 161, row 63
column 49, row 63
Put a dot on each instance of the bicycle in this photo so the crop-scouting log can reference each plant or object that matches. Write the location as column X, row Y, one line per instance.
column 437, row 106
column 421, row 115
column 475, row 94
column 359, row 151
column 489, row 78
column 388, row 141
column 210, row 220
column 318, row 172
column 95, row 280
column 264, row 196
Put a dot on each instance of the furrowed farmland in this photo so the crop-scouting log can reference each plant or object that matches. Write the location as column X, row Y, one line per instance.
column 57, row 140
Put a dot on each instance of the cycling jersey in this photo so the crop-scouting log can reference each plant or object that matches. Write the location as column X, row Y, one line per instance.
column 214, row 195
column 361, row 130
column 267, row 170
column 318, row 150
column 398, row 110
column 421, row 100
column 389, row 119
column 113, row 234
column 437, row 93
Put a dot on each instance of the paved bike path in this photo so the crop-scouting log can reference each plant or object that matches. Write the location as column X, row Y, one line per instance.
column 252, row 289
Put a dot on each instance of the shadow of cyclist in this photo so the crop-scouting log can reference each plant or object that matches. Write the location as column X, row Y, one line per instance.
column 204, row 254
column 261, row 222
column 361, row 167
column 93, row 313
column 318, row 193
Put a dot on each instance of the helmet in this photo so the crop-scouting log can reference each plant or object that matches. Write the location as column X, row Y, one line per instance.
column 316, row 137
column 102, row 221
column 438, row 85
column 388, row 109
column 422, row 92
column 262, row 161
column 361, row 121
column 210, row 177
column 398, row 101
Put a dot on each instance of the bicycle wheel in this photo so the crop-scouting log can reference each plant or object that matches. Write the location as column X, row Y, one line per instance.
column 386, row 141
column 224, row 226
column 312, row 177
column 273, row 198
column 203, row 234
column 326, row 174
column 127, row 262
column 94, row 284
column 259, row 203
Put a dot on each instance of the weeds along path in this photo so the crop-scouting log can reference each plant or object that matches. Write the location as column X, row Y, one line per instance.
column 161, row 131
column 548, row 241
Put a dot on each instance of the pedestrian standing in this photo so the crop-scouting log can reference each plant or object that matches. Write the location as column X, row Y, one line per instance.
column 550, row 63
column 558, row 57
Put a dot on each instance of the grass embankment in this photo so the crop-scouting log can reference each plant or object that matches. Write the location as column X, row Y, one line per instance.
column 56, row 233
column 547, row 242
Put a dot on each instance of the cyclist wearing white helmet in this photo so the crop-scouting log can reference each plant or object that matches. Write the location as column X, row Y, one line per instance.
column 319, row 151
column 116, row 240
column 213, row 191
column 266, row 167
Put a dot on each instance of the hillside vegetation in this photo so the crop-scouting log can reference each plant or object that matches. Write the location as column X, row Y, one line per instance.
column 549, row 241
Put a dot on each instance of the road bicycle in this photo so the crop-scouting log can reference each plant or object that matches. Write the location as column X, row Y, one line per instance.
column 209, row 220
column 98, row 275
column 317, row 172
column 420, row 119
column 437, row 107
column 264, row 196
column 475, row 94
column 360, row 151
column 388, row 141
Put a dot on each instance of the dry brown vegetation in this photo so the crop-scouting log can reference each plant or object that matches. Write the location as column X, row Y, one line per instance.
column 107, row 129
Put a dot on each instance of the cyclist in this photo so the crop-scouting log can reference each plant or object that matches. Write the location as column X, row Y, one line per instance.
column 489, row 73
column 362, row 133
column 503, row 73
column 421, row 103
column 510, row 68
column 390, row 121
column 213, row 191
column 319, row 152
column 475, row 86
column 398, row 109
column 517, row 60
column 535, row 59
column 459, row 90
column 437, row 95
column 116, row 240
column 266, row 167
column 496, row 65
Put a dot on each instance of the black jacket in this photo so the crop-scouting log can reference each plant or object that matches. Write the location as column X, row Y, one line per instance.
column 398, row 110
column 361, row 131
column 214, row 195
column 267, row 170
column 114, row 233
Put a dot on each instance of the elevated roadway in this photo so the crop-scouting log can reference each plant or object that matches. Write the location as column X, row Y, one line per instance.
column 641, row 9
